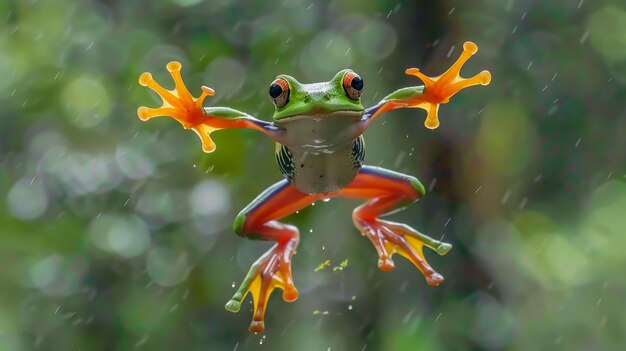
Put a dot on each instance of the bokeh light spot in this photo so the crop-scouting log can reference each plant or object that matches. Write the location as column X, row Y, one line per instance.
column 86, row 101
column 187, row 3
column 229, row 76
column 6, row 67
column 376, row 40
column 603, row 229
column 326, row 54
column 42, row 274
column 57, row 275
column 43, row 141
column 133, row 163
column 506, row 134
column 493, row 325
column 209, row 197
column 606, row 32
column 126, row 236
column 166, row 266
column 27, row 199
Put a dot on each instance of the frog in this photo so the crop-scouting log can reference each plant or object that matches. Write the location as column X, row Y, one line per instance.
column 320, row 151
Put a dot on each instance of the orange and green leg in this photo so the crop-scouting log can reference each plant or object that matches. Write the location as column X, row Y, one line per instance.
column 390, row 192
column 273, row 269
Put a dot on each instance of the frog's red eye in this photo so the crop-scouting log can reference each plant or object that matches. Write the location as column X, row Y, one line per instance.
column 279, row 92
column 353, row 85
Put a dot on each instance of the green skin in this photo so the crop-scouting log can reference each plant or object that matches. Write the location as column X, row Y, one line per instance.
column 320, row 151
column 307, row 101
column 311, row 99
column 317, row 128
column 322, row 104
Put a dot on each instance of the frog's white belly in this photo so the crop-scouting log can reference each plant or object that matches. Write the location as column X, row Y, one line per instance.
column 320, row 153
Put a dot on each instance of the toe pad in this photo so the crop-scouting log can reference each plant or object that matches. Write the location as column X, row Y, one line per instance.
column 257, row 327
column 290, row 295
column 434, row 279
column 233, row 306
column 443, row 248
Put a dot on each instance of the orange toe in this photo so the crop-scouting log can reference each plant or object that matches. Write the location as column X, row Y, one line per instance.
column 438, row 90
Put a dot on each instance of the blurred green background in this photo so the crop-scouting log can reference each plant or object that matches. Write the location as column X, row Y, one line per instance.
column 116, row 234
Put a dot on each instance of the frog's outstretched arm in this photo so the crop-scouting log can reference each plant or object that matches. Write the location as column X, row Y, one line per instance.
column 434, row 92
column 180, row 105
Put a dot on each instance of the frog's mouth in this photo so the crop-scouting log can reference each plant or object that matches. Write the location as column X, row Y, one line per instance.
column 320, row 116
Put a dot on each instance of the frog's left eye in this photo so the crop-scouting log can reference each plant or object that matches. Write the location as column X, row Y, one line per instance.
column 353, row 85
column 279, row 92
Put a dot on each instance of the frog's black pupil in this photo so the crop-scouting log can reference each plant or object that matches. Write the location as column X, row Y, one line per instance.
column 357, row 83
column 275, row 90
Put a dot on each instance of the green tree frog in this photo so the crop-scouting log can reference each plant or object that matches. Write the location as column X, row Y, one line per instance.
column 318, row 129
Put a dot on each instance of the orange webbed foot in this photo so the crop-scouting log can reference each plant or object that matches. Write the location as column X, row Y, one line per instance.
column 438, row 90
column 270, row 271
column 179, row 104
column 390, row 238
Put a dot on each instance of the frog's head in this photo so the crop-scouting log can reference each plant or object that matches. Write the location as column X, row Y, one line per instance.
column 342, row 94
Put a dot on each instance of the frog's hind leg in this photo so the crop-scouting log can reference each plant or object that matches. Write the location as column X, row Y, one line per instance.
column 390, row 192
column 273, row 269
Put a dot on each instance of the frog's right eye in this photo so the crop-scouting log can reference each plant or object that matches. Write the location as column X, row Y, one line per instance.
column 353, row 85
column 279, row 92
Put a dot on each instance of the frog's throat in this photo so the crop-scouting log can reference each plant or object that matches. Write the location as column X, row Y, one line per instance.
column 321, row 115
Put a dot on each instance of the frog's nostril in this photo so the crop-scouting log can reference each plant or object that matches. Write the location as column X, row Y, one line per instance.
column 326, row 96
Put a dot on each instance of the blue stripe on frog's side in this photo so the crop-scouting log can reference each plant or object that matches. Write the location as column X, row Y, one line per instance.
column 370, row 111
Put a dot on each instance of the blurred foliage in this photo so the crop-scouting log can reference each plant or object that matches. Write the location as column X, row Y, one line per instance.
column 116, row 235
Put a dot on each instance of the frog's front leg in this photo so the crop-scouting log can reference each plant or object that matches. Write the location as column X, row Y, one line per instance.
column 390, row 192
column 273, row 269
column 180, row 105
column 435, row 91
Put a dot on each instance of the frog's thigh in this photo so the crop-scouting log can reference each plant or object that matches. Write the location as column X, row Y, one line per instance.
column 374, row 182
column 275, row 202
